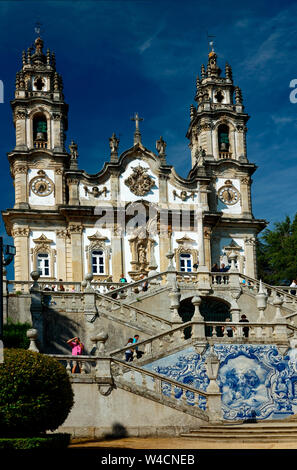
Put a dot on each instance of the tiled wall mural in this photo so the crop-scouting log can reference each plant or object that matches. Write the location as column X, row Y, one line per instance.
column 252, row 379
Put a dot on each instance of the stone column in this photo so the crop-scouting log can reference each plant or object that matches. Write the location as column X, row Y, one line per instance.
column 61, row 236
column 21, row 259
column 75, row 231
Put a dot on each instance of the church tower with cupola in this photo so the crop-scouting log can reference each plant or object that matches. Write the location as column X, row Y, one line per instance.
column 218, row 123
column 40, row 119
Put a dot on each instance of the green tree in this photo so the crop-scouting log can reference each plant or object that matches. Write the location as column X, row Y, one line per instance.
column 35, row 393
column 277, row 253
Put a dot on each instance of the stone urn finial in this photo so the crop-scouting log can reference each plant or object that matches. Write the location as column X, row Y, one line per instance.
column 88, row 279
column 32, row 334
column 35, row 275
column 100, row 338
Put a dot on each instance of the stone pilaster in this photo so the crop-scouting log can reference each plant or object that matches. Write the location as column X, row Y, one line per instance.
column 75, row 231
column 61, row 237
column 21, row 260
column 59, row 193
column 20, row 183
column 73, row 184
column 164, row 246
column 245, row 196
column 207, row 247
column 117, row 259
column 250, row 257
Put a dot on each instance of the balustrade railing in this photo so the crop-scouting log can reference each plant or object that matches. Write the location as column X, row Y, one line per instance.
column 252, row 285
column 136, row 379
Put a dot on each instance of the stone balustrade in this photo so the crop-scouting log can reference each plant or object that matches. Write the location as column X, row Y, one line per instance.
column 252, row 286
column 206, row 405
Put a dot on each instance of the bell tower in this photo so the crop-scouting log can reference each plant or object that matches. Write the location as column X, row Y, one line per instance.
column 218, row 123
column 40, row 120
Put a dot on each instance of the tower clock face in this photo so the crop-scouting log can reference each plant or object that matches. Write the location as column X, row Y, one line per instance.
column 42, row 186
column 228, row 195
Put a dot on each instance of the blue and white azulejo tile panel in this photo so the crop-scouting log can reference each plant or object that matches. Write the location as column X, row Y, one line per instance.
column 255, row 380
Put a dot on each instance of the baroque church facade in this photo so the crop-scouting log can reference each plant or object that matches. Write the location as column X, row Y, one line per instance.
column 126, row 218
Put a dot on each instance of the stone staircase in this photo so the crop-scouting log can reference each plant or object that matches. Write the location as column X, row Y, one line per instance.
column 274, row 431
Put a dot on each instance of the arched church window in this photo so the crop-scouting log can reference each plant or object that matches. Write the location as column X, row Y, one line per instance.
column 98, row 262
column 43, row 264
column 186, row 262
column 223, row 136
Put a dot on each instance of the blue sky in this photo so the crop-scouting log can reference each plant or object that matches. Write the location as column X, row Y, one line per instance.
column 118, row 57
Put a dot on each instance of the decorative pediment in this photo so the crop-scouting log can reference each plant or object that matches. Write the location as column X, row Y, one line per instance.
column 97, row 237
column 185, row 240
column 232, row 247
column 43, row 239
column 139, row 182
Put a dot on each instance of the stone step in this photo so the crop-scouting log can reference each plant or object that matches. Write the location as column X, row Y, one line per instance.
column 242, row 438
column 260, row 432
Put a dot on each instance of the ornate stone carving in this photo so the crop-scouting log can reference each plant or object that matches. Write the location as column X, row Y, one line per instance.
column 185, row 246
column 62, row 233
column 43, row 245
column 245, row 180
column 142, row 250
column 75, row 228
column 183, row 195
column 21, row 169
column 139, row 183
column 95, row 191
column 59, row 171
column 20, row 232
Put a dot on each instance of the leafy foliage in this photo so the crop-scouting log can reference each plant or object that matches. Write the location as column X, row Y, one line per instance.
column 49, row 441
column 277, row 253
column 14, row 335
column 35, row 393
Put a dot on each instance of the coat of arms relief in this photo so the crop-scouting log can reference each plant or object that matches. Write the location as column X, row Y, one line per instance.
column 139, row 182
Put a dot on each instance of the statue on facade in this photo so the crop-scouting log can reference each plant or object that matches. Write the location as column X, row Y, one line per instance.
column 161, row 147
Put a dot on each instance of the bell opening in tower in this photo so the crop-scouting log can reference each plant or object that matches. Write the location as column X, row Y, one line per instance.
column 40, row 132
column 224, row 142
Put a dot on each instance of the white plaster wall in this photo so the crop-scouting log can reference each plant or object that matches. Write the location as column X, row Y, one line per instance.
column 232, row 209
column 41, row 200
column 127, row 195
